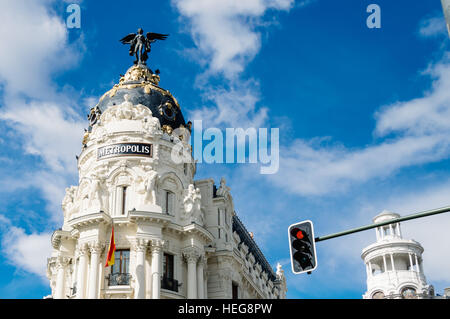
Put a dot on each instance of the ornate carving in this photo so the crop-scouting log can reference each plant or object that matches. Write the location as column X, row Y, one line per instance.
column 94, row 116
column 203, row 260
column 139, row 244
column 223, row 190
column 68, row 200
column 96, row 193
column 85, row 138
column 192, row 205
column 96, row 247
column 157, row 245
column 280, row 271
column 128, row 111
column 62, row 262
column 98, row 132
column 83, row 250
column 191, row 254
column 151, row 124
column 167, row 129
column 147, row 188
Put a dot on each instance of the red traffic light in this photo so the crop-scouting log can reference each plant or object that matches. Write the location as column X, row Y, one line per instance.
column 302, row 247
column 297, row 233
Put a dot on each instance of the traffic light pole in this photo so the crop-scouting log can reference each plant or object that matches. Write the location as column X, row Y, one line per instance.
column 390, row 221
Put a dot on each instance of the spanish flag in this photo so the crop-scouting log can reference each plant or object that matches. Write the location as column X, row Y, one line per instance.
column 111, row 250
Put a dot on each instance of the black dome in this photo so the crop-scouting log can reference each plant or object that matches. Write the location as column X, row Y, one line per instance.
column 140, row 83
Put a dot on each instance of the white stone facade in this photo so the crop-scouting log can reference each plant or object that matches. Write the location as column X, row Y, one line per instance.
column 394, row 265
column 175, row 237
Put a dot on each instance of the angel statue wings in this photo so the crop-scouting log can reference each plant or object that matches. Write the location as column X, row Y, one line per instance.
column 140, row 45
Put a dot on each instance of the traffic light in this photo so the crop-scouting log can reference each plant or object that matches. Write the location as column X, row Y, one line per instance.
column 302, row 246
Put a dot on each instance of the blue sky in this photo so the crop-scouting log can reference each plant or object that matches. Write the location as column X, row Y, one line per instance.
column 363, row 118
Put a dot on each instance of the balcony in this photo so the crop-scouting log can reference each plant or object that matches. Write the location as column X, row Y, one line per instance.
column 119, row 279
column 396, row 276
column 169, row 284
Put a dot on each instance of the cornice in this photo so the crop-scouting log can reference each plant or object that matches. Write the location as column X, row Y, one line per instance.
column 141, row 216
column 393, row 246
column 59, row 235
column 90, row 219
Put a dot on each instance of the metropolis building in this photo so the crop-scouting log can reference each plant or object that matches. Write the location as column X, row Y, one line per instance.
column 175, row 237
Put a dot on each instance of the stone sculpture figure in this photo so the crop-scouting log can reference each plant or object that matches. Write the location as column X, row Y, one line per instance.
column 68, row 200
column 125, row 110
column 223, row 188
column 192, row 204
column 147, row 188
column 95, row 193
column 140, row 45
column 152, row 124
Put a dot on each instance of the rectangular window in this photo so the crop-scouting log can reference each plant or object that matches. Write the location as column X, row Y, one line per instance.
column 168, row 202
column 219, row 232
column 234, row 291
column 167, row 281
column 218, row 216
column 226, row 217
column 120, row 271
column 124, row 200
column 121, row 261
column 168, row 266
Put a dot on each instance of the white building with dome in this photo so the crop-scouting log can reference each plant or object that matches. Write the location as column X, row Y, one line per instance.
column 394, row 265
column 175, row 237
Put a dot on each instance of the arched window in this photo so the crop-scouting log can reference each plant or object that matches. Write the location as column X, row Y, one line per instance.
column 378, row 295
column 409, row 293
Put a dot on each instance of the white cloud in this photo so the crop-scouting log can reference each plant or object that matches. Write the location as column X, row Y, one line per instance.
column 425, row 115
column 34, row 47
column 224, row 31
column 47, row 131
column 233, row 107
column 318, row 170
column 433, row 26
column 422, row 136
column 227, row 36
column 431, row 232
column 41, row 117
column 28, row 252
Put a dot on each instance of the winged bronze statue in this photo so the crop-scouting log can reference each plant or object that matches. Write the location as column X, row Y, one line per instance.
column 140, row 45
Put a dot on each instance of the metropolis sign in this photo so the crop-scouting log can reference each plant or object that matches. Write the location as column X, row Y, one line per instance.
column 124, row 149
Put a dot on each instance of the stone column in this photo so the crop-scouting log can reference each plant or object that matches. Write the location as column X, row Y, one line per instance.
column 410, row 262
column 96, row 249
column 370, row 268
column 81, row 272
column 200, row 279
column 140, row 247
column 417, row 263
column 385, row 264
column 191, row 255
column 61, row 264
column 392, row 262
column 206, row 285
column 156, row 268
column 399, row 230
column 391, row 230
column 73, row 280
